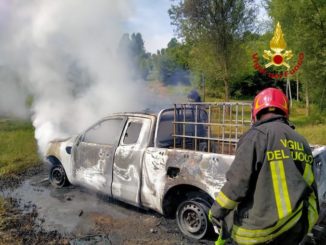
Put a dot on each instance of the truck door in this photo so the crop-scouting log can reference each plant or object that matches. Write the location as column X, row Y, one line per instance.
column 94, row 153
column 128, row 160
column 320, row 175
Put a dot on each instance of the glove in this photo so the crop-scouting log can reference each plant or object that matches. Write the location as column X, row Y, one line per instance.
column 220, row 240
column 210, row 216
column 213, row 220
column 217, row 227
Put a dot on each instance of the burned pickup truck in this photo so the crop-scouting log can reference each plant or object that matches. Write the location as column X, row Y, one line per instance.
column 173, row 161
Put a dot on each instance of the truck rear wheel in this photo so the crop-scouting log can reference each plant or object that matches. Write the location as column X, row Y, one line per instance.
column 192, row 217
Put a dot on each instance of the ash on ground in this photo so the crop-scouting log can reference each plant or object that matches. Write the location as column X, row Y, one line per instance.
column 37, row 213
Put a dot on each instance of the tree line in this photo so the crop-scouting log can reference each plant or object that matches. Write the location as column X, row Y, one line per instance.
column 216, row 41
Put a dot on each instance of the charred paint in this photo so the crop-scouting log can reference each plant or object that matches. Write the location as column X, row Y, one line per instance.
column 128, row 161
column 154, row 178
column 136, row 173
column 203, row 170
column 93, row 166
column 57, row 149
column 54, row 149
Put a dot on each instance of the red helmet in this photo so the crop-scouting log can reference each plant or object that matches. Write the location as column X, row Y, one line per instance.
column 270, row 98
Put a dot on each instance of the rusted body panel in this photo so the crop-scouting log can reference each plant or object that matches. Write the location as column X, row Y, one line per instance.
column 205, row 171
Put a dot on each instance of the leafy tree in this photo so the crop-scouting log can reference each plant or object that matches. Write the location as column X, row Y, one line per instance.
column 132, row 49
column 137, row 48
column 212, row 27
column 251, row 84
column 172, row 63
column 303, row 23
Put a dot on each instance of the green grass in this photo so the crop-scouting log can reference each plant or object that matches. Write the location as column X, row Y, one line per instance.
column 313, row 127
column 315, row 134
column 18, row 150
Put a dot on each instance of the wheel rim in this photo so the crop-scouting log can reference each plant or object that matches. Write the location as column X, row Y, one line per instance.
column 58, row 176
column 192, row 219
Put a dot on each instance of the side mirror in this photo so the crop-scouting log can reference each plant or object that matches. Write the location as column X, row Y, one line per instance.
column 68, row 149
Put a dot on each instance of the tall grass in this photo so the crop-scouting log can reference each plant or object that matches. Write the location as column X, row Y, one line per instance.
column 313, row 126
column 18, row 150
column 315, row 134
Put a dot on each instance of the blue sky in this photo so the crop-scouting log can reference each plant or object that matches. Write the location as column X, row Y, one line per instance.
column 151, row 19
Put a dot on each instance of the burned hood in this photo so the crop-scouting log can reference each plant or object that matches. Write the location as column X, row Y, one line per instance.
column 59, row 140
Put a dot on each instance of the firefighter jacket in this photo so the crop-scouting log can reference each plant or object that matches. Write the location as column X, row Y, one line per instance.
column 270, row 183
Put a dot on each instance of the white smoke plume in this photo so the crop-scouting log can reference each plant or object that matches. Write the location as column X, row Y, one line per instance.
column 64, row 53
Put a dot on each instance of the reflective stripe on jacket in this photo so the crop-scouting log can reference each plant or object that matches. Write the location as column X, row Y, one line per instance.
column 269, row 183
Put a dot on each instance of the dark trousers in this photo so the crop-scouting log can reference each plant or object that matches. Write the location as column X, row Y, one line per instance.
column 291, row 237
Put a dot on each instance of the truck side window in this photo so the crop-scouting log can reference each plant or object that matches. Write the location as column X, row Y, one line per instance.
column 188, row 128
column 132, row 133
column 105, row 133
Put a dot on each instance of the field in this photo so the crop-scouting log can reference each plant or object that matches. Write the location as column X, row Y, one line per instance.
column 18, row 152
column 18, row 149
column 313, row 127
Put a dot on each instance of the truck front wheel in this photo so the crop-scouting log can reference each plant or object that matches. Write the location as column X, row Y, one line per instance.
column 58, row 177
column 192, row 217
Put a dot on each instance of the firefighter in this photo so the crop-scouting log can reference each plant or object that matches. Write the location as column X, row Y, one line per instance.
column 270, row 195
column 194, row 96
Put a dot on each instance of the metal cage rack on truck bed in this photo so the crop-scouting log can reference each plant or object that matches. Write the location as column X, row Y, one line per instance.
column 210, row 127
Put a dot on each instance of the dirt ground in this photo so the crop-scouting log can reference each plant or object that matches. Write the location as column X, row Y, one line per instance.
column 37, row 213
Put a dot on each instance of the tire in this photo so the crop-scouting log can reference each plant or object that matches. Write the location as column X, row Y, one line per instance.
column 192, row 217
column 58, row 177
